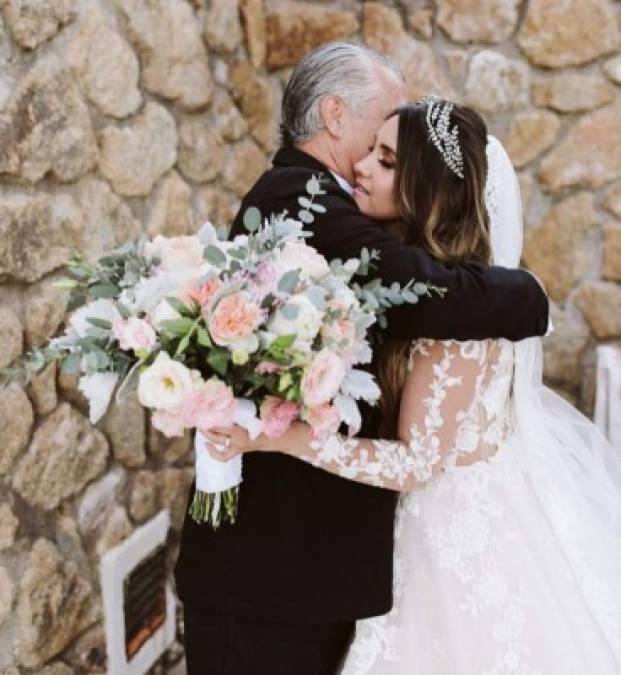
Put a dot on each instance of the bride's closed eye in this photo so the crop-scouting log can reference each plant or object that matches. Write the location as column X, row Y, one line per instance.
column 386, row 164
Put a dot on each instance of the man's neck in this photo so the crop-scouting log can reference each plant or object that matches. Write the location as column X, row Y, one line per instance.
column 322, row 152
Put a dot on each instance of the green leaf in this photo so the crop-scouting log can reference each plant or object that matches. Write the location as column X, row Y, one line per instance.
column 183, row 344
column 100, row 323
column 214, row 255
column 420, row 288
column 65, row 283
column 252, row 219
column 284, row 382
column 218, row 359
column 177, row 305
column 304, row 202
column 177, row 327
column 289, row 281
column 318, row 208
column 281, row 343
column 202, row 337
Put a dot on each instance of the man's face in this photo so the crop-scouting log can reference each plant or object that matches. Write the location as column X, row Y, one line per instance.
column 359, row 132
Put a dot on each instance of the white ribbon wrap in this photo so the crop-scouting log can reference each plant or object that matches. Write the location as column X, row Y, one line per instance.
column 213, row 476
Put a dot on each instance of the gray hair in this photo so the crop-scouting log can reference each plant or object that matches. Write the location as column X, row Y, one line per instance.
column 335, row 69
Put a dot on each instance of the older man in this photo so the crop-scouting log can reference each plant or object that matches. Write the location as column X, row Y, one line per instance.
column 279, row 592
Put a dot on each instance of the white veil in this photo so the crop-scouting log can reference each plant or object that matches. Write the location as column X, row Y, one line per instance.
column 576, row 473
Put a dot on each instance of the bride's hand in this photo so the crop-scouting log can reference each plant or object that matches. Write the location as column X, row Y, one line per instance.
column 227, row 442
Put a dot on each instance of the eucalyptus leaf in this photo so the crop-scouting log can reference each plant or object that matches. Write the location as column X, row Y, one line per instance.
column 306, row 217
column 318, row 208
column 71, row 365
column 103, row 290
column 214, row 255
column 99, row 323
column 313, row 187
column 252, row 219
column 304, row 202
column 290, row 312
column 239, row 253
column 289, row 281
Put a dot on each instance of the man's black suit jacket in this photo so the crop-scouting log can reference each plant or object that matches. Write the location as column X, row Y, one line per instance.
column 310, row 546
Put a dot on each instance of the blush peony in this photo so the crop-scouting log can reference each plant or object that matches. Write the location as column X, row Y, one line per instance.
column 233, row 319
column 322, row 378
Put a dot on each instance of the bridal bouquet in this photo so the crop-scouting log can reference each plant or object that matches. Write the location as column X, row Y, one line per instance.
column 258, row 331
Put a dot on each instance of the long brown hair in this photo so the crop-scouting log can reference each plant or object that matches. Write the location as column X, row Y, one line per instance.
column 440, row 212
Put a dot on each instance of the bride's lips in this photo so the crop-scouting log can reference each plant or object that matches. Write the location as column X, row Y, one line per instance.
column 359, row 191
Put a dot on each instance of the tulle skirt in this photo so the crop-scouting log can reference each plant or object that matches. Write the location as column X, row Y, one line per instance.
column 498, row 571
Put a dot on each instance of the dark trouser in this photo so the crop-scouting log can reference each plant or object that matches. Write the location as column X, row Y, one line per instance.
column 221, row 644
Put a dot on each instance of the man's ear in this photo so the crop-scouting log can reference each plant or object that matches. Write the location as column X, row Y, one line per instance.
column 331, row 110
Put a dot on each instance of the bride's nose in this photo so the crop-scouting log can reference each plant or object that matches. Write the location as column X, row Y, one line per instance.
column 361, row 168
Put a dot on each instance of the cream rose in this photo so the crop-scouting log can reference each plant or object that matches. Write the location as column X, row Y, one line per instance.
column 305, row 325
column 175, row 253
column 297, row 255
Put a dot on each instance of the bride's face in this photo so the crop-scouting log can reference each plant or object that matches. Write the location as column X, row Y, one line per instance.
column 375, row 174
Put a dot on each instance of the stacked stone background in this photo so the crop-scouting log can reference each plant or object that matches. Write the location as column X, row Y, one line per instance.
column 122, row 116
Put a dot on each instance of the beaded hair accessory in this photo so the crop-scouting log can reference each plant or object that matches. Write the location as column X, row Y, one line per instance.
column 445, row 139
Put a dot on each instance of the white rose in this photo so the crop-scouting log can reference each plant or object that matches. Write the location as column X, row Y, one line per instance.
column 164, row 384
column 306, row 323
column 175, row 252
column 297, row 255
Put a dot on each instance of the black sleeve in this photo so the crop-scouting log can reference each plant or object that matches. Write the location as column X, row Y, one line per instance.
column 481, row 301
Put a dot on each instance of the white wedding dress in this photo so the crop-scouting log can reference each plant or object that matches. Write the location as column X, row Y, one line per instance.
column 494, row 569
column 508, row 534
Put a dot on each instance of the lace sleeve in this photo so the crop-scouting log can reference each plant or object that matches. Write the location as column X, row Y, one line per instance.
column 447, row 417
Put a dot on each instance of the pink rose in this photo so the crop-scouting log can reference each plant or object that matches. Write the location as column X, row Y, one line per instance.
column 268, row 368
column 324, row 420
column 234, row 318
column 202, row 293
column 209, row 404
column 322, row 378
column 134, row 333
column 276, row 415
column 169, row 422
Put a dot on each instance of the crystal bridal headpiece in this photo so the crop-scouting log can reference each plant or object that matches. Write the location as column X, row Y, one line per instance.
column 445, row 139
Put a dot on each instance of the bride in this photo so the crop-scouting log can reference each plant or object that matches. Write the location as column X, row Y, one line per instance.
column 508, row 533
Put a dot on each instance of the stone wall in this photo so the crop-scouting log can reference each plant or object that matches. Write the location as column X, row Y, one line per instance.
column 118, row 116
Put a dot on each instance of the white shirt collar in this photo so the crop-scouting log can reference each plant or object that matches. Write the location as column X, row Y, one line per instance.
column 343, row 183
